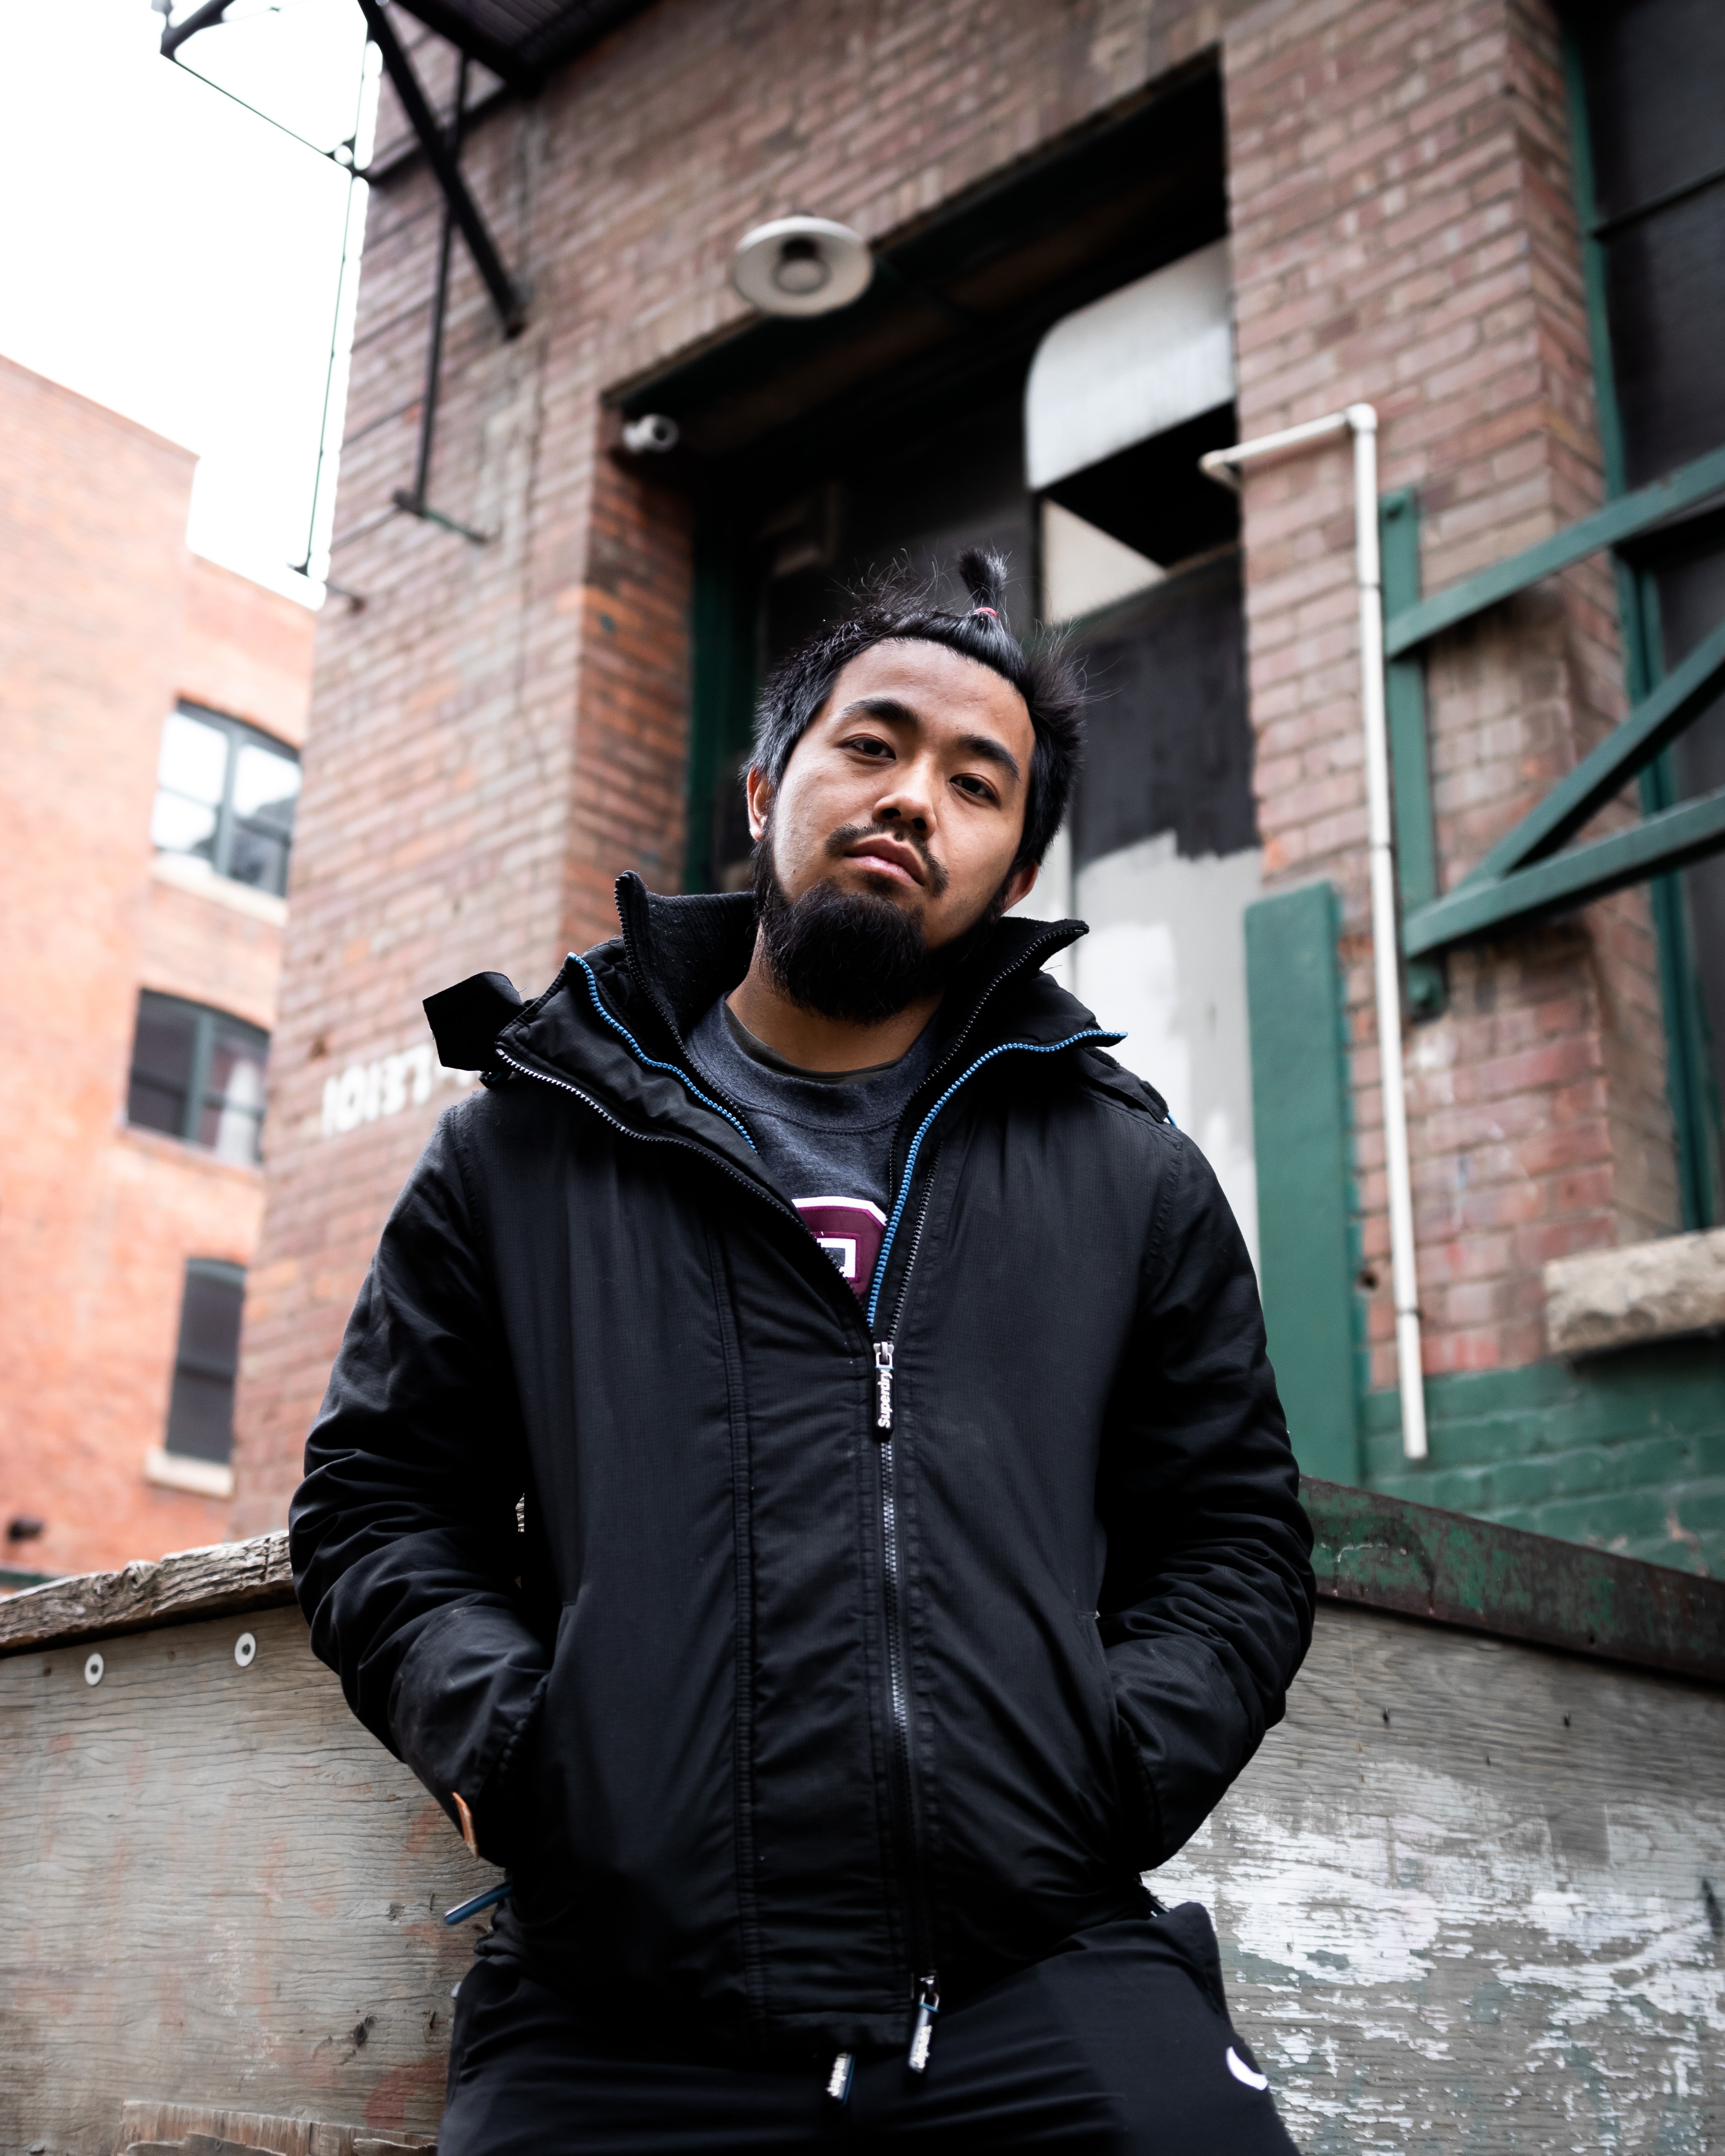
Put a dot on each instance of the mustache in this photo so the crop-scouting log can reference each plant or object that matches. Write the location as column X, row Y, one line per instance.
column 847, row 834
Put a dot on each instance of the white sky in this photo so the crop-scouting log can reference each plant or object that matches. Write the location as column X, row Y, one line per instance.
column 171, row 256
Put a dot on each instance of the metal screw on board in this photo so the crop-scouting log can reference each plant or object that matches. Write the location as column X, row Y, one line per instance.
column 245, row 1650
column 93, row 1670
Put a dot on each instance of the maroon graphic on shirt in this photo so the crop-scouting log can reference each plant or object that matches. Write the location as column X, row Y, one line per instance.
column 849, row 1230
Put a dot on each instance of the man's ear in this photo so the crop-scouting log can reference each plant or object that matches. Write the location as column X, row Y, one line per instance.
column 758, row 788
column 1021, row 883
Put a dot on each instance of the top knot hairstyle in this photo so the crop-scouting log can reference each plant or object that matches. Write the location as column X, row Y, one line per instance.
column 892, row 611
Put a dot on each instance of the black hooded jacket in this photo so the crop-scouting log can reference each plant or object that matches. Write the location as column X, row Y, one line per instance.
column 792, row 1651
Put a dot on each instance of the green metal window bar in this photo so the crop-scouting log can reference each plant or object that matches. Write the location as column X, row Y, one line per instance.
column 1526, row 877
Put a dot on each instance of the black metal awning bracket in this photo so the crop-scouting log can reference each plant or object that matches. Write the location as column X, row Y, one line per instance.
column 506, row 296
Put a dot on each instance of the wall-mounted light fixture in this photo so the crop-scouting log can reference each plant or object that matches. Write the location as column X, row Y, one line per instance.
column 801, row 265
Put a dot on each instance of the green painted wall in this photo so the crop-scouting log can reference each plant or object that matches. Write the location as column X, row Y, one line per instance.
column 1625, row 1452
column 1305, row 1184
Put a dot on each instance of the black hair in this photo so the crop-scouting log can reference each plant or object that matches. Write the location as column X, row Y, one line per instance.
column 891, row 610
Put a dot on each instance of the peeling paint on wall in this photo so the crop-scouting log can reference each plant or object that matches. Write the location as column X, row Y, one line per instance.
column 1462, row 1899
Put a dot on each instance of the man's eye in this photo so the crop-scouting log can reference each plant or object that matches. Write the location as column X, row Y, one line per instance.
column 978, row 789
column 870, row 746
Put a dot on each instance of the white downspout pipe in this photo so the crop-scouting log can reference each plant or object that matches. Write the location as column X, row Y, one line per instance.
column 1361, row 421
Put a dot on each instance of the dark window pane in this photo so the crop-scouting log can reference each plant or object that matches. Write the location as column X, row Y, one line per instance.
column 1657, row 119
column 150, row 1106
column 200, row 1418
column 162, row 1056
column 1665, row 286
column 257, row 859
column 1170, row 748
column 1691, row 605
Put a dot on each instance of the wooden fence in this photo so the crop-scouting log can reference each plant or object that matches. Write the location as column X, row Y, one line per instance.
column 1469, row 1893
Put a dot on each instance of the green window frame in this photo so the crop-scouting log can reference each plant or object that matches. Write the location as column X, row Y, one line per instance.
column 213, row 799
column 197, row 1076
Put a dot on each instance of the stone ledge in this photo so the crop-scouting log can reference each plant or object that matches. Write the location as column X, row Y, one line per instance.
column 1619, row 1298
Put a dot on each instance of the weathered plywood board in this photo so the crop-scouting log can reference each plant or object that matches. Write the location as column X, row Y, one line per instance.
column 215, row 1888
column 1469, row 1898
column 1473, row 1925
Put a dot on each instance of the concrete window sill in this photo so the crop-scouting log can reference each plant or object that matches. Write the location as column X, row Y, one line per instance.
column 188, row 1156
column 1606, row 1299
column 201, row 1478
column 186, row 872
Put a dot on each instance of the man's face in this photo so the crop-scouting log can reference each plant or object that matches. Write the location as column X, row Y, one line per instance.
column 909, row 786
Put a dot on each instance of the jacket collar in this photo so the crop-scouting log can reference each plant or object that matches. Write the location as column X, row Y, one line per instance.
column 682, row 954
column 615, row 1023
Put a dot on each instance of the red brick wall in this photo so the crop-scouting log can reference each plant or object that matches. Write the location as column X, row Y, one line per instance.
column 245, row 650
column 498, row 732
column 1403, row 233
column 105, row 620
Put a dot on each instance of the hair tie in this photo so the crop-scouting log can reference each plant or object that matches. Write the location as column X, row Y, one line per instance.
column 989, row 611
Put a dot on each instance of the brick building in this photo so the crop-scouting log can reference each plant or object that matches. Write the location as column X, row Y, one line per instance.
column 152, row 705
column 1108, row 236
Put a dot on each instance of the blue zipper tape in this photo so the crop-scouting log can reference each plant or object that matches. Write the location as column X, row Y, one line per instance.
column 641, row 1055
column 1006, row 1048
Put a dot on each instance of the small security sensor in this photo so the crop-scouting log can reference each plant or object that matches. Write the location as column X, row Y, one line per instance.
column 801, row 265
column 650, row 435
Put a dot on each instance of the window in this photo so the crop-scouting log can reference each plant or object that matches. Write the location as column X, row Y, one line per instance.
column 198, row 1074
column 225, row 793
column 200, row 1413
column 1645, row 77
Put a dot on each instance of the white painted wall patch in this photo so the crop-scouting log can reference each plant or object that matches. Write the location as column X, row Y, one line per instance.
column 366, row 1092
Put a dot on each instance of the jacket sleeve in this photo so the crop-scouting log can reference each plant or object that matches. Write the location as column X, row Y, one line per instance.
column 1208, row 1594
column 404, row 1533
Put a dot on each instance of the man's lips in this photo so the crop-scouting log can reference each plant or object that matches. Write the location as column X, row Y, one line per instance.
column 890, row 854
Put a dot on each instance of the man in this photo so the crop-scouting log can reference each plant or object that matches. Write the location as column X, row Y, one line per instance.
column 803, row 1488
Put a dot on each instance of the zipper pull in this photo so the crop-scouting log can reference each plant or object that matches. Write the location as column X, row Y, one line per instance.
column 883, row 1384
column 928, row 2005
column 839, row 2081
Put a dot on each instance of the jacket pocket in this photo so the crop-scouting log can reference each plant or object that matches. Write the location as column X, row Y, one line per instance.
column 464, row 1701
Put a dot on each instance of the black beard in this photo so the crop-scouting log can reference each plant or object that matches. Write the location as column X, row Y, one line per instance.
column 849, row 956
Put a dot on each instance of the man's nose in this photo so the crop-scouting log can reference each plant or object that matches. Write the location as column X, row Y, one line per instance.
column 908, row 802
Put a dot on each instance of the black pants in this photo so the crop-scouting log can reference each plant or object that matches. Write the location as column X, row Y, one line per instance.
column 1120, row 2041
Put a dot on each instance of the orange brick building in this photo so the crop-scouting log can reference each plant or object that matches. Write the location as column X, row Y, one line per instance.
column 1272, row 210
column 152, row 706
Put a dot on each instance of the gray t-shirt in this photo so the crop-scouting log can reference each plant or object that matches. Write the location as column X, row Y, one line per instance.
column 823, row 1136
